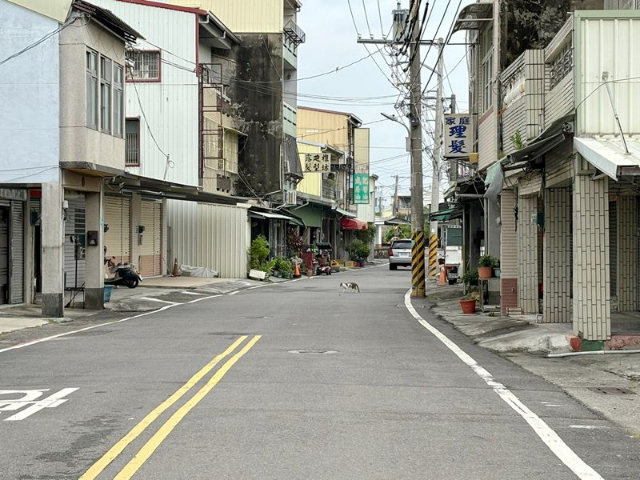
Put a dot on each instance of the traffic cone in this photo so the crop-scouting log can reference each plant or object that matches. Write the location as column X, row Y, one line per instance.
column 443, row 276
column 296, row 271
column 176, row 270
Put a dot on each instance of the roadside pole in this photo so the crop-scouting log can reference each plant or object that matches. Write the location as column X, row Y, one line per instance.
column 417, row 204
column 435, row 179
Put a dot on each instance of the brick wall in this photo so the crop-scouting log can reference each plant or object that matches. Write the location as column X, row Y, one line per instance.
column 627, row 254
column 557, row 256
column 528, row 254
column 591, row 296
column 508, row 252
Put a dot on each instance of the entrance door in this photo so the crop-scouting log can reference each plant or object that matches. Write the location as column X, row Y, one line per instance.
column 150, row 263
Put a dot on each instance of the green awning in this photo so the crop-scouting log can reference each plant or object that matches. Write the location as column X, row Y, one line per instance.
column 445, row 215
column 344, row 213
column 310, row 215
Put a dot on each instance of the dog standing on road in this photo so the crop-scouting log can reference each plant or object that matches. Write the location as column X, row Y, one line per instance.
column 350, row 287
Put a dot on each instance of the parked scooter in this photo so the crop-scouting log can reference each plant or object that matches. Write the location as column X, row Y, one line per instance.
column 323, row 259
column 123, row 274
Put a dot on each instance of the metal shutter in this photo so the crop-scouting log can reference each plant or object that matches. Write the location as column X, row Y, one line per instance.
column 74, row 226
column 150, row 263
column 16, row 286
column 4, row 251
column 118, row 238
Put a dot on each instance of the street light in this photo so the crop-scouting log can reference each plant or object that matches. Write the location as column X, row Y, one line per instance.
column 393, row 118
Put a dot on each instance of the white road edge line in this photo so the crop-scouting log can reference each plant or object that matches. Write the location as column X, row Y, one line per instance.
column 550, row 438
column 151, row 299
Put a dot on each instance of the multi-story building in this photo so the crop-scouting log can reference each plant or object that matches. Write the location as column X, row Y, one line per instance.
column 182, row 142
column 61, row 133
column 563, row 179
column 263, row 92
column 347, row 178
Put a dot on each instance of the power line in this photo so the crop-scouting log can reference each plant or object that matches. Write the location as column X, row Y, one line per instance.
column 366, row 17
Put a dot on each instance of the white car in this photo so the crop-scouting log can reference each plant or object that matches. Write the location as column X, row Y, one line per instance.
column 400, row 253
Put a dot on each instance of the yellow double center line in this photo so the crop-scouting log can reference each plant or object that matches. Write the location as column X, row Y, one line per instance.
column 147, row 450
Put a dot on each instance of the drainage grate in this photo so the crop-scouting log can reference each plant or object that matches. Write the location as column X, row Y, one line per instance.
column 611, row 390
column 313, row 352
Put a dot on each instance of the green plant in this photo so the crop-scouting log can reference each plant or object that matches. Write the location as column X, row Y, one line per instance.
column 367, row 235
column 516, row 138
column 488, row 261
column 470, row 277
column 358, row 249
column 284, row 266
column 399, row 231
column 471, row 296
column 295, row 242
column 258, row 253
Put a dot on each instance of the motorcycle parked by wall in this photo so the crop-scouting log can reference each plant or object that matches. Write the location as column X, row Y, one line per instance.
column 121, row 274
column 323, row 259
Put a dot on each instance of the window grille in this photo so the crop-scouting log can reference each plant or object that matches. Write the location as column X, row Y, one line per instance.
column 561, row 66
column 132, row 142
column 145, row 66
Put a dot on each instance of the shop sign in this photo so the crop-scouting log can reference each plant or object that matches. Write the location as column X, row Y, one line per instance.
column 317, row 163
column 458, row 135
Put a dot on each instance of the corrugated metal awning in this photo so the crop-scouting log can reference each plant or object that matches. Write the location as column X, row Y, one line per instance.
column 609, row 157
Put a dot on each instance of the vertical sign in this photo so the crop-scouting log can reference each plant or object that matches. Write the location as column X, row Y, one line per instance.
column 361, row 185
column 458, row 135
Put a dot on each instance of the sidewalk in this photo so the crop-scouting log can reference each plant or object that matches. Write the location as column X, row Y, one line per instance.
column 608, row 384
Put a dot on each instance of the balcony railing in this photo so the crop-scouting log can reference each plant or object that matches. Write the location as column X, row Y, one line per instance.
column 294, row 32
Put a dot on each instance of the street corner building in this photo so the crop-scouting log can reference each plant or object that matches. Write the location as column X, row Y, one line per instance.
column 550, row 188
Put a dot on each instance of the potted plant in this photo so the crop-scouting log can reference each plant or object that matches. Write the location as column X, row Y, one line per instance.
column 358, row 251
column 470, row 278
column 468, row 303
column 485, row 266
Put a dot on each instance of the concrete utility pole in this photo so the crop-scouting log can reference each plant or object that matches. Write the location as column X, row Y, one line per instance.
column 437, row 153
column 395, row 198
column 415, row 134
column 415, row 121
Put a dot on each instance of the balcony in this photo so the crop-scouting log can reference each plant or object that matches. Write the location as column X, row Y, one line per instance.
column 292, row 37
column 290, row 120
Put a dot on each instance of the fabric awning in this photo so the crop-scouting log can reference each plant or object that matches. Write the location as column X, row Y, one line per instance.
column 609, row 156
column 344, row 213
column 446, row 215
column 353, row 224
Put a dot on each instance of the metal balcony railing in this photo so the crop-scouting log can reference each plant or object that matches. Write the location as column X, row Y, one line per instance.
column 293, row 31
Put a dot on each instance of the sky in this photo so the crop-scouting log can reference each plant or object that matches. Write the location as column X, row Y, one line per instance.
column 366, row 89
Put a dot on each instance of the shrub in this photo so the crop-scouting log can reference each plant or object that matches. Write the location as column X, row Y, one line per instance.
column 258, row 253
column 470, row 277
column 488, row 261
column 358, row 249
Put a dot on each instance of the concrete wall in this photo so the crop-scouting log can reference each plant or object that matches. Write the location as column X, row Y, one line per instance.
column 29, row 98
column 78, row 142
column 259, row 59
column 591, row 295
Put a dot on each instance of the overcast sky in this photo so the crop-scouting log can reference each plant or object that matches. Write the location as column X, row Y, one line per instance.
column 331, row 42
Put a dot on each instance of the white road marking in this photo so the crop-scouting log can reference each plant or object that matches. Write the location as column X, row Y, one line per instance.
column 589, row 427
column 158, row 300
column 29, row 400
column 233, row 293
column 192, row 293
column 204, row 298
column 550, row 438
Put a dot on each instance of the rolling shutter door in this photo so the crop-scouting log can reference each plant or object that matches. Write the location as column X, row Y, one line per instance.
column 73, row 227
column 16, row 286
column 118, row 238
column 151, row 247
column 4, row 250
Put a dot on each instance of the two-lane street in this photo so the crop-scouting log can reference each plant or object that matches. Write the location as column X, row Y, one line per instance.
column 294, row 380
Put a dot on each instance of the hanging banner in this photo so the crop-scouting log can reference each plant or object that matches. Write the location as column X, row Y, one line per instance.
column 458, row 135
column 317, row 162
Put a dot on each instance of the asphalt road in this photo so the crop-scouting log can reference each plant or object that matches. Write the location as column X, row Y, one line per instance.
column 293, row 381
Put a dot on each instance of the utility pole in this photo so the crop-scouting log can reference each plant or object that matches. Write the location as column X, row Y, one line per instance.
column 437, row 153
column 395, row 199
column 415, row 122
column 415, row 135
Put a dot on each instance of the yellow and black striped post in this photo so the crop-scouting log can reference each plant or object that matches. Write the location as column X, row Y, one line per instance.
column 417, row 264
column 433, row 255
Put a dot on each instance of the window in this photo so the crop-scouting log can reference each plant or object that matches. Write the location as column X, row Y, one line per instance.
column 486, row 71
column 92, row 89
column 118, row 100
column 132, row 142
column 105, row 94
column 146, row 66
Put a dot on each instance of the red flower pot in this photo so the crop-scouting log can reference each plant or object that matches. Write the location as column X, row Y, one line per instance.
column 485, row 272
column 468, row 306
